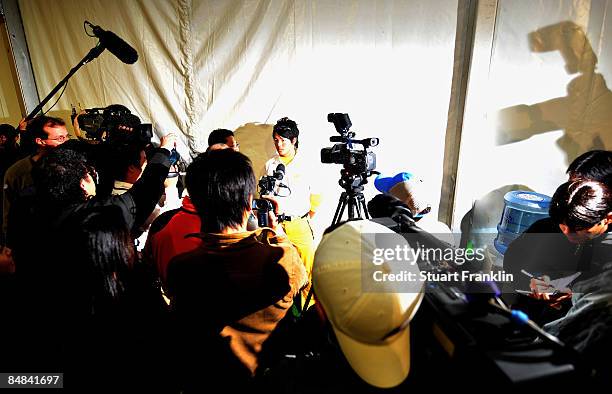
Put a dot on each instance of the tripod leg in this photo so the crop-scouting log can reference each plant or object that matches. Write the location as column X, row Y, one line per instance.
column 354, row 208
column 340, row 208
column 358, row 209
column 365, row 208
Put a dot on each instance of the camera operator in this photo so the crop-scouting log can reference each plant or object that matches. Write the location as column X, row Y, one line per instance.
column 66, row 183
column 230, row 294
column 65, row 187
column 297, row 200
column 129, row 162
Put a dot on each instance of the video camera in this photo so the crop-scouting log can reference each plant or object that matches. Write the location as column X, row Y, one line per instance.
column 355, row 161
column 115, row 125
column 267, row 185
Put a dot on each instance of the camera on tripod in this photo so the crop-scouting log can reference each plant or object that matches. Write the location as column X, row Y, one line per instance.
column 267, row 186
column 358, row 165
column 355, row 161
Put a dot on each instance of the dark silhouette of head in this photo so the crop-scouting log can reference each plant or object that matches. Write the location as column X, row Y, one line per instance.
column 221, row 185
column 58, row 178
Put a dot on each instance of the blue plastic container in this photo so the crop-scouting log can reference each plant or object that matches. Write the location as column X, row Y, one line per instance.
column 521, row 210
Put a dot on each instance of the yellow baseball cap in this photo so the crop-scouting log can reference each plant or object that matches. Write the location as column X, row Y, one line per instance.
column 370, row 318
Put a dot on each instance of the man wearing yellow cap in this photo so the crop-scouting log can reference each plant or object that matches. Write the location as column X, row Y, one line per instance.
column 369, row 297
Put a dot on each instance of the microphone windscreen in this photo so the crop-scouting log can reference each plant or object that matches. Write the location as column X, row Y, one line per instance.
column 119, row 48
column 280, row 171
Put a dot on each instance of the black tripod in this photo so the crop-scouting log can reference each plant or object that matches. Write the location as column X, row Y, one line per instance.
column 352, row 196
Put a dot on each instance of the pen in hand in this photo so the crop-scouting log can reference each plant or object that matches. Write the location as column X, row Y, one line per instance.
column 537, row 287
column 528, row 274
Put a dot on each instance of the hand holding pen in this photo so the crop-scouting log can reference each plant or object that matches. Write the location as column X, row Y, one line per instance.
column 542, row 289
column 540, row 284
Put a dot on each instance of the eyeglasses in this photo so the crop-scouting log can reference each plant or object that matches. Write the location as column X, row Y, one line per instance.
column 61, row 138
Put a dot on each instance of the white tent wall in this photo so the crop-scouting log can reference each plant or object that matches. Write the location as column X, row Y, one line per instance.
column 537, row 98
column 244, row 64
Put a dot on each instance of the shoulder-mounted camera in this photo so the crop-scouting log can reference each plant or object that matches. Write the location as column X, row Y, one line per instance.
column 115, row 125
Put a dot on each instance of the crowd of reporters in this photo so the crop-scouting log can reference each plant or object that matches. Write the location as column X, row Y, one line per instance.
column 86, row 294
column 202, row 299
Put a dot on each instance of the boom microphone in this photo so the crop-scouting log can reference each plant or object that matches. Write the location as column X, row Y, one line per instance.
column 118, row 47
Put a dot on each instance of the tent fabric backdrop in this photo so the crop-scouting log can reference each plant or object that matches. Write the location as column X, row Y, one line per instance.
column 244, row 64
column 537, row 95
column 542, row 101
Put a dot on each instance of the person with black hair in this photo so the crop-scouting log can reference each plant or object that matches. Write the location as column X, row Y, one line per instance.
column 8, row 136
column 100, row 284
column 223, row 136
column 66, row 181
column 129, row 162
column 65, row 184
column 53, row 276
column 581, row 246
column 595, row 165
column 44, row 134
column 230, row 293
column 296, row 196
column 104, row 252
column 92, row 288
column 545, row 250
column 583, row 210
column 168, row 234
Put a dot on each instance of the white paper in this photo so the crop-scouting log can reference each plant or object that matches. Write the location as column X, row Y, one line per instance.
column 562, row 283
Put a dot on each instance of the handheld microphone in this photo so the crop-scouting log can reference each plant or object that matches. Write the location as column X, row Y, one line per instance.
column 117, row 46
column 279, row 173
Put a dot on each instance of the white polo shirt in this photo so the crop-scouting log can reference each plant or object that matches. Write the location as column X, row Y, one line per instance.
column 294, row 200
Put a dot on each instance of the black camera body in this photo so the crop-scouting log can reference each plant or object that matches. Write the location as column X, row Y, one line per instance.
column 264, row 206
column 115, row 125
column 266, row 184
column 355, row 161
